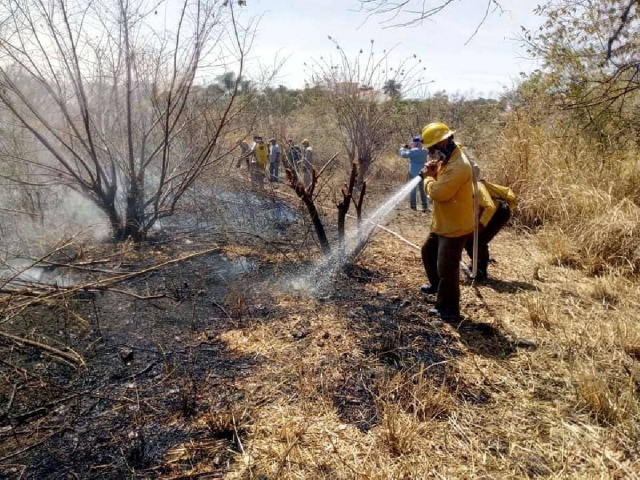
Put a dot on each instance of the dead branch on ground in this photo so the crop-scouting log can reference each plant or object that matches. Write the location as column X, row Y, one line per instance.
column 68, row 354
column 14, row 300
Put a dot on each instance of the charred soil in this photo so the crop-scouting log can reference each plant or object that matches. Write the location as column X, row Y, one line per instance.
column 225, row 370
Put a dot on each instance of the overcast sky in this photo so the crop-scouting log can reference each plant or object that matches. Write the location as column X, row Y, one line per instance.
column 298, row 29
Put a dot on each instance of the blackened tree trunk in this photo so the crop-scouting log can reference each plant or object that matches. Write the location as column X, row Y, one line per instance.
column 306, row 195
column 364, row 163
column 343, row 206
column 317, row 225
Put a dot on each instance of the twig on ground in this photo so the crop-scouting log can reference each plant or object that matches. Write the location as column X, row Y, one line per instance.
column 11, row 398
column 222, row 308
column 34, row 445
column 145, row 369
column 88, row 394
column 131, row 294
column 70, row 355
column 43, row 409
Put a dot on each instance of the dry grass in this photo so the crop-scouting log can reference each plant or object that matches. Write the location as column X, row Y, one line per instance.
column 605, row 291
column 364, row 386
column 414, row 393
column 585, row 201
column 611, row 404
column 538, row 312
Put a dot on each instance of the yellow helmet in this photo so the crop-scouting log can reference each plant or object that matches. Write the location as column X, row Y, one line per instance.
column 305, row 142
column 434, row 133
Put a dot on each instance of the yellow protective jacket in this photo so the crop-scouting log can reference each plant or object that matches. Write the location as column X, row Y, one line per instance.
column 452, row 195
column 502, row 193
column 487, row 206
column 262, row 155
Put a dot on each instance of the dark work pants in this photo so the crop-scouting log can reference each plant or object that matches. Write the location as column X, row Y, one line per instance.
column 273, row 172
column 257, row 175
column 499, row 220
column 441, row 259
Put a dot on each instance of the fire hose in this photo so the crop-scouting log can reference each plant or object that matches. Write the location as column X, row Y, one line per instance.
column 463, row 267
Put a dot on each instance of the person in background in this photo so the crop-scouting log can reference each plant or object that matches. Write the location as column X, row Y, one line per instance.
column 261, row 156
column 294, row 155
column 448, row 181
column 245, row 153
column 307, row 163
column 274, row 161
column 495, row 203
column 417, row 157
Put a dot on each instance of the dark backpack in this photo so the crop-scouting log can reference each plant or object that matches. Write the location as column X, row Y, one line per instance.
column 296, row 153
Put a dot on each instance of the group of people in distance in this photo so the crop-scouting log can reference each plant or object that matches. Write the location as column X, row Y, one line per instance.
column 451, row 184
column 261, row 158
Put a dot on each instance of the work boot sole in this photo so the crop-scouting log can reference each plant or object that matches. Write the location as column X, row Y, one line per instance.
column 428, row 290
column 444, row 315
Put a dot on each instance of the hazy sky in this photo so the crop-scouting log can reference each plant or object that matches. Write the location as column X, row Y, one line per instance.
column 298, row 29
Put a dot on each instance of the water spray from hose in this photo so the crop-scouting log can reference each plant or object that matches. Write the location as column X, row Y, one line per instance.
column 355, row 241
column 320, row 275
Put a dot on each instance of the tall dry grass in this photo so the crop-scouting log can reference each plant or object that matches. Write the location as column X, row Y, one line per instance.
column 583, row 197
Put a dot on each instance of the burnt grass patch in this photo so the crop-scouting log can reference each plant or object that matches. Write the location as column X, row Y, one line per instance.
column 117, row 419
column 156, row 379
column 395, row 336
column 163, row 395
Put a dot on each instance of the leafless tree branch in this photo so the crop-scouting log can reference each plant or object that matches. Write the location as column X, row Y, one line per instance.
column 417, row 10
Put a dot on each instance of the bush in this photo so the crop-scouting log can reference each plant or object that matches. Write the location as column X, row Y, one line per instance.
column 583, row 198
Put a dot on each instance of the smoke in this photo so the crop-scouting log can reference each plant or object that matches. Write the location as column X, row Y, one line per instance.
column 322, row 275
column 31, row 222
column 78, row 212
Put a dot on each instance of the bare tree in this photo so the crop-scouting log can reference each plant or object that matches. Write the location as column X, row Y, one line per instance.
column 417, row 11
column 109, row 89
column 354, row 95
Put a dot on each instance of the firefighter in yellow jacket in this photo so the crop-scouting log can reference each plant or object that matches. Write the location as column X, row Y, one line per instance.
column 260, row 154
column 448, row 181
column 496, row 203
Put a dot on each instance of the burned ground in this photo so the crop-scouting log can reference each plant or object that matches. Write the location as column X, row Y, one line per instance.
column 152, row 367
column 234, row 373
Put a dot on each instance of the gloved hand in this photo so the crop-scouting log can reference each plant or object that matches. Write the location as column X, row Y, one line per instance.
column 430, row 169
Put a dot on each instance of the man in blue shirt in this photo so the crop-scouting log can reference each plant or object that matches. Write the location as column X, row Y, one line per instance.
column 274, row 161
column 417, row 159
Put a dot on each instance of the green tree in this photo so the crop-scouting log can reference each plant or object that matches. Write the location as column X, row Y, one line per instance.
column 590, row 52
column 392, row 88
